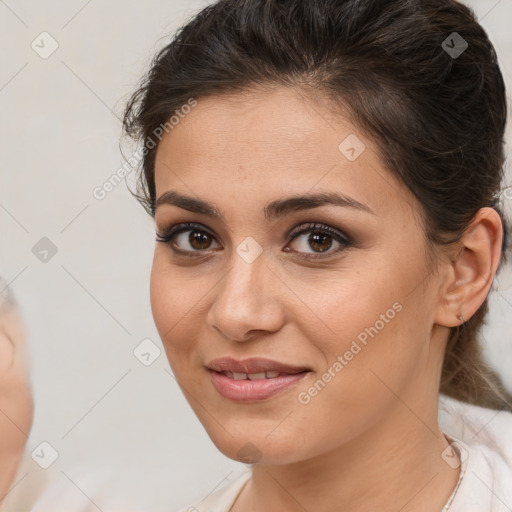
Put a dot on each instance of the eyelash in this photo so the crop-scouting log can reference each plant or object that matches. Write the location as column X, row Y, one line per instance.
column 314, row 227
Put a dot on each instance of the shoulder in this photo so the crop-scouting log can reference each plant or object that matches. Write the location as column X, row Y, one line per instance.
column 223, row 499
column 485, row 438
column 478, row 426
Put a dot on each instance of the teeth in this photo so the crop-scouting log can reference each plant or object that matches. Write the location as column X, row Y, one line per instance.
column 256, row 376
column 253, row 376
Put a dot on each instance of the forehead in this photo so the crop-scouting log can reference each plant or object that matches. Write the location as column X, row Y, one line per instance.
column 263, row 144
column 263, row 123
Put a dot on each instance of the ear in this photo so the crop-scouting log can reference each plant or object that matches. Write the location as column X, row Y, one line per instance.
column 470, row 271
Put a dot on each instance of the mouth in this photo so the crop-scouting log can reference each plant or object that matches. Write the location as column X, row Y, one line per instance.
column 253, row 376
column 253, row 380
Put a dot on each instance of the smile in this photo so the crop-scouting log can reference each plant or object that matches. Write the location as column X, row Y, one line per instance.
column 253, row 380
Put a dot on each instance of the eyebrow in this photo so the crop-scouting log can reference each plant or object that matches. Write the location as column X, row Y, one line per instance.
column 273, row 210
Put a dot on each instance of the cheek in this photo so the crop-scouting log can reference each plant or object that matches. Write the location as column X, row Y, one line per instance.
column 177, row 301
column 375, row 342
column 6, row 354
column 168, row 304
column 341, row 306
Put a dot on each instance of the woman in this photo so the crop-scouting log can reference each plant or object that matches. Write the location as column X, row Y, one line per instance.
column 16, row 404
column 325, row 181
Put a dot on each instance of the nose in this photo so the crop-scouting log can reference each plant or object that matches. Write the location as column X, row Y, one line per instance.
column 246, row 304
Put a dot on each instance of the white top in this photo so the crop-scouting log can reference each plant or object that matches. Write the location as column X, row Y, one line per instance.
column 483, row 438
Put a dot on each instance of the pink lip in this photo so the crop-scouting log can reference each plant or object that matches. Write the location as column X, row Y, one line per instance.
column 250, row 391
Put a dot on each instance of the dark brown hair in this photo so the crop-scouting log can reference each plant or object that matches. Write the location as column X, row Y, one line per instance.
column 437, row 115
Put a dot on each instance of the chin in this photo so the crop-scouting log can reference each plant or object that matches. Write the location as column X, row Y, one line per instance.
column 253, row 446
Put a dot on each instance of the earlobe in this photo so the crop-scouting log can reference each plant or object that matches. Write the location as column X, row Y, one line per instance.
column 471, row 272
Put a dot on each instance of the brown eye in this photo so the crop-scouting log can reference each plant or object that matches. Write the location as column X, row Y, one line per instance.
column 192, row 239
column 187, row 238
column 320, row 242
column 199, row 240
column 315, row 239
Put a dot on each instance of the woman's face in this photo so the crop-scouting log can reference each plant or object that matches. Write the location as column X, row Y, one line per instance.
column 335, row 323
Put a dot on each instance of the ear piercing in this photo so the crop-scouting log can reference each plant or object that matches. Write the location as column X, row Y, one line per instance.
column 461, row 318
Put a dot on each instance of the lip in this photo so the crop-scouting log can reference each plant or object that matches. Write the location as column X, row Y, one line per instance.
column 251, row 391
column 253, row 365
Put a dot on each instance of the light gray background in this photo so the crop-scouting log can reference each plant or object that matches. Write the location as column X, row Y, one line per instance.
column 87, row 308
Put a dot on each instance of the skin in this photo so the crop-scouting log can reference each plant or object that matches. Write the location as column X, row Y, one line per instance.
column 370, row 439
column 16, row 405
